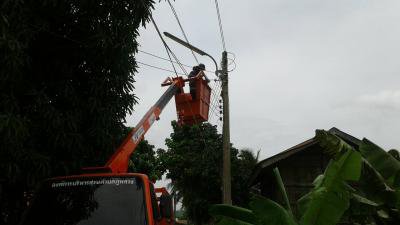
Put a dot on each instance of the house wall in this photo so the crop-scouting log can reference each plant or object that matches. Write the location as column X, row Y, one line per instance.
column 298, row 173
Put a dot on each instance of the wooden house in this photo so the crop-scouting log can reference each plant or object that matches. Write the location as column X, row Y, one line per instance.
column 298, row 166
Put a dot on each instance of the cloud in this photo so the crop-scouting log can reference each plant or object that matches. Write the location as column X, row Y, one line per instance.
column 389, row 99
column 301, row 65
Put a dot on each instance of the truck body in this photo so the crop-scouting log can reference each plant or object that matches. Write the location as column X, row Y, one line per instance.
column 109, row 195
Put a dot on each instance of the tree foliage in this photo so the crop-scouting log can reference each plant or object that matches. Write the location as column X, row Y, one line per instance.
column 194, row 164
column 66, row 84
column 144, row 160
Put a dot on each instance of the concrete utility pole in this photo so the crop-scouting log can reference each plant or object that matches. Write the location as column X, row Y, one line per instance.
column 223, row 75
column 226, row 168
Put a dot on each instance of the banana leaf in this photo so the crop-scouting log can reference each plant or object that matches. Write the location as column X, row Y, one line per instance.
column 331, row 144
column 395, row 154
column 361, row 210
column 224, row 220
column 270, row 213
column 346, row 163
column 263, row 212
column 327, row 202
column 362, row 200
column 381, row 161
column 282, row 190
column 373, row 185
column 324, row 207
column 318, row 180
column 224, row 211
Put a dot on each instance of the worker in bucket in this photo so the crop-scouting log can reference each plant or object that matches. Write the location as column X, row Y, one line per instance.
column 192, row 83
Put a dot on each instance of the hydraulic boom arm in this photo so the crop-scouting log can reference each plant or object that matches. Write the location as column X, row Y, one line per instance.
column 118, row 163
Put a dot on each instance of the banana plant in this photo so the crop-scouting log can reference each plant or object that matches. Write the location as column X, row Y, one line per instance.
column 332, row 195
column 324, row 205
column 377, row 191
column 380, row 182
column 262, row 211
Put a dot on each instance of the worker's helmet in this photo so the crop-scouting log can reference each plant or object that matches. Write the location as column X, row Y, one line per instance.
column 202, row 66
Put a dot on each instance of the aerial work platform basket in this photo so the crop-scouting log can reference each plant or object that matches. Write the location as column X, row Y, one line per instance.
column 193, row 110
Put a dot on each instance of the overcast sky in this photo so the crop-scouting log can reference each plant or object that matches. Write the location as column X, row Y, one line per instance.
column 301, row 65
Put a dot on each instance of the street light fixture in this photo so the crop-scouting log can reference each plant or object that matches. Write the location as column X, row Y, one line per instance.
column 223, row 75
column 193, row 48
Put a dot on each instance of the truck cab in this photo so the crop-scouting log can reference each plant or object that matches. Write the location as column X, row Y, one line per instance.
column 100, row 199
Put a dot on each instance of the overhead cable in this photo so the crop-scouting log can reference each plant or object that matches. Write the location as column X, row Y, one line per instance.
column 220, row 25
column 215, row 95
column 180, row 25
column 159, row 57
column 234, row 63
column 160, row 68
column 166, row 46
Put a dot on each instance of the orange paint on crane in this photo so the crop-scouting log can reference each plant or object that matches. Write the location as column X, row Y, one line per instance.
column 192, row 111
column 152, row 210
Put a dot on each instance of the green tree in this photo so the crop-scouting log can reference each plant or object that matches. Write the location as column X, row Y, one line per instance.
column 194, row 164
column 144, row 160
column 66, row 84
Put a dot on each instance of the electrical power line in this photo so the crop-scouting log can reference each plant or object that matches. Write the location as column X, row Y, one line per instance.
column 232, row 62
column 220, row 25
column 160, row 68
column 213, row 107
column 159, row 57
column 164, row 43
column 215, row 114
column 180, row 25
column 176, row 59
column 167, row 48
column 215, row 95
column 180, row 65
